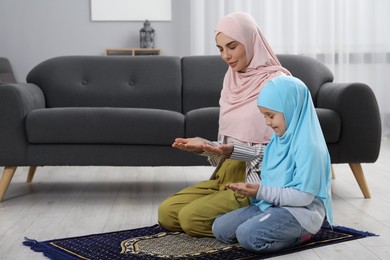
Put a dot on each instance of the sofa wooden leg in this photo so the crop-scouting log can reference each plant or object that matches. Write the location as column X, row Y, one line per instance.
column 31, row 172
column 8, row 173
column 361, row 180
column 333, row 173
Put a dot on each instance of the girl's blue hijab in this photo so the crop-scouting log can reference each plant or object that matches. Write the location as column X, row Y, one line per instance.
column 299, row 159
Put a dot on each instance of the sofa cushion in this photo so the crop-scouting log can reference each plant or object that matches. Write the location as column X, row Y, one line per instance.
column 203, row 122
column 110, row 81
column 202, row 81
column 104, row 126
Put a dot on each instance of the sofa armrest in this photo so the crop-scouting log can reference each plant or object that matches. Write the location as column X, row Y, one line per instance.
column 361, row 131
column 16, row 101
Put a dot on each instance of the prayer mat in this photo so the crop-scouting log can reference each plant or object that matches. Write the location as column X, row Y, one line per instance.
column 155, row 242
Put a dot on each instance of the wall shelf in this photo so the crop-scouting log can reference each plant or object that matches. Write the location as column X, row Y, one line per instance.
column 131, row 51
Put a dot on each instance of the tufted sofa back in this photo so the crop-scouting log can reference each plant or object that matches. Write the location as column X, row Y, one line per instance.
column 162, row 82
column 113, row 81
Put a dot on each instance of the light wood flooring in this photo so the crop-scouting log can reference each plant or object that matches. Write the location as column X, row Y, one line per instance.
column 74, row 201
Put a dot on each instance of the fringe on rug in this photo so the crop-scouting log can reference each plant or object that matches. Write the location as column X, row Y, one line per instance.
column 41, row 248
column 354, row 231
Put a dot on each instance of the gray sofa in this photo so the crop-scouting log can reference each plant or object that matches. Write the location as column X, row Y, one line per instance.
column 126, row 111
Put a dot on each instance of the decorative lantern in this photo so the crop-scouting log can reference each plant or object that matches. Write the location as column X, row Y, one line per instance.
column 146, row 35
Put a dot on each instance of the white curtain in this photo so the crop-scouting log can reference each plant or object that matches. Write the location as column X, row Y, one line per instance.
column 351, row 37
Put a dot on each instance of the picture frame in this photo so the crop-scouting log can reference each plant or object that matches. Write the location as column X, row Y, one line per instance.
column 131, row 10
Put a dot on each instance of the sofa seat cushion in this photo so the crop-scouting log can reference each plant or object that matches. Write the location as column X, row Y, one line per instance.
column 330, row 123
column 203, row 122
column 80, row 125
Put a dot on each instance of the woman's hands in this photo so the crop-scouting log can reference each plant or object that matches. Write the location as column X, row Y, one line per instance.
column 245, row 189
column 199, row 145
column 194, row 145
column 221, row 150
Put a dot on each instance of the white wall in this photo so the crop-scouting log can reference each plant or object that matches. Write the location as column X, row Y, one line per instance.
column 32, row 31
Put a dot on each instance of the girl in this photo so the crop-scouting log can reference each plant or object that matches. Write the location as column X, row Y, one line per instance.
column 252, row 63
column 293, row 198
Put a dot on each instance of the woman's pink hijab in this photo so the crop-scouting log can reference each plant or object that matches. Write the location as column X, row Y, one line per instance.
column 239, row 115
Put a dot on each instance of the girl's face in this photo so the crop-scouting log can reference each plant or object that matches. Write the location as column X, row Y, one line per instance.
column 275, row 120
column 232, row 52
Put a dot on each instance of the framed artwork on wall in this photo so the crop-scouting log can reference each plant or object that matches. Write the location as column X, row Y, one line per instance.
column 131, row 10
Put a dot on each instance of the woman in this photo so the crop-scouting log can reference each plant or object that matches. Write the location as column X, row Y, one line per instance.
column 251, row 64
column 293, row 198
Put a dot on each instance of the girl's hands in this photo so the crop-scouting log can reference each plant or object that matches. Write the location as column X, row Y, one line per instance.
column 245, row 189
column 193, row 145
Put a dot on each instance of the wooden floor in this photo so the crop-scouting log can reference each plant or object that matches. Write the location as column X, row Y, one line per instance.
column 74, row 201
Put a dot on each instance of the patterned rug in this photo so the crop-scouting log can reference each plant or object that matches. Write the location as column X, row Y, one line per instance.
column 155, row 242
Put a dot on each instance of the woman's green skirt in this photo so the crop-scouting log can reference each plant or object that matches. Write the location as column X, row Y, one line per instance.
column 194, row 209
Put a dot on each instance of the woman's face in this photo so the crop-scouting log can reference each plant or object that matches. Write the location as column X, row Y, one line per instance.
column 232, row 52
column 275, row 120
